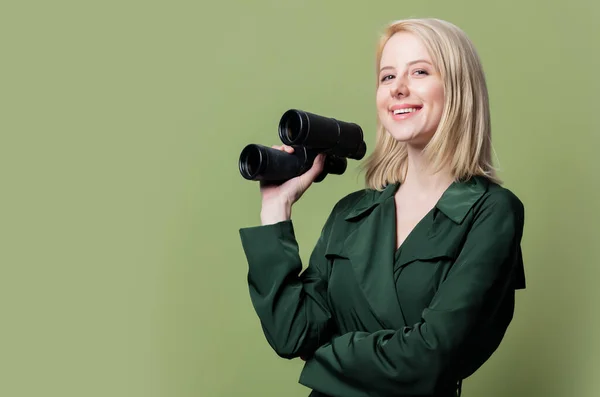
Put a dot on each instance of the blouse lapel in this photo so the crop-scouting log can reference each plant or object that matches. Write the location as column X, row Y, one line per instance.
column 370, row 244
column 370, row 247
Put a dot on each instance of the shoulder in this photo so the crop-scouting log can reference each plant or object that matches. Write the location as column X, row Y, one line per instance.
column 498, row 211
column 362, row 200
column 500, row 200
column 356, row 201
column 352, row 199
column 346, row 203
column 495, row 231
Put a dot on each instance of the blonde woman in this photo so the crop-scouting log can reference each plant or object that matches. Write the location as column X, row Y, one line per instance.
column 411, row 285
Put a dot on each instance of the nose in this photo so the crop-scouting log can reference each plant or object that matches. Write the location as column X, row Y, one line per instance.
column 399, row 88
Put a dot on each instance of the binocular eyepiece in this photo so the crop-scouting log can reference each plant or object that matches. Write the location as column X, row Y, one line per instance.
column 309, row 134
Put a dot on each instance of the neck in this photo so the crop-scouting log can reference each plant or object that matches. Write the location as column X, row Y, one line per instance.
column 421, row 178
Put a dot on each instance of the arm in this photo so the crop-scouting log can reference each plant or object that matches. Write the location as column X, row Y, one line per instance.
column 292, row 307
column 473, row 305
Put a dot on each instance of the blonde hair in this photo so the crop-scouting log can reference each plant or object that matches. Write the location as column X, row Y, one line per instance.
column 462, row 140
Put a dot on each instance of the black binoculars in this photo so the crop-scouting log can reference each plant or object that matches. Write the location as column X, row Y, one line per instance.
column 309, row 134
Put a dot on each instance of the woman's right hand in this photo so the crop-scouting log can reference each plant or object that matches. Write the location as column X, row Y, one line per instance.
column 277, row 200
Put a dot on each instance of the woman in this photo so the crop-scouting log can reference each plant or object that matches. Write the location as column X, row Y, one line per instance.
column 410, row 287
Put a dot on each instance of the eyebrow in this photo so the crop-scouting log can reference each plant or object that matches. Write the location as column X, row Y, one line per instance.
column 408, row 64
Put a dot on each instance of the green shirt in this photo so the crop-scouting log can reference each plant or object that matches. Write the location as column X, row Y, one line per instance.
column 371, row 320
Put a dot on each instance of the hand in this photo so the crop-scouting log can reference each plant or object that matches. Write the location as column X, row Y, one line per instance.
column 277, row 200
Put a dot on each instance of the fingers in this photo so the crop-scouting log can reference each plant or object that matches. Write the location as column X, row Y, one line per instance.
column 284, row 148
column 318, row 165
column 315, row 170
column 295, row 188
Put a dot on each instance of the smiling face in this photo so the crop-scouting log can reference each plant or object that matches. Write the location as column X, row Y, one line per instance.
column 410, row 94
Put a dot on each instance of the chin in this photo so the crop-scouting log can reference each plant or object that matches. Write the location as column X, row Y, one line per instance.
column 403, row 136
column 412, row 139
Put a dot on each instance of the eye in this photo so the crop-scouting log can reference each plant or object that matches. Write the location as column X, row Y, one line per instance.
column 421, row 72
column 386, row 77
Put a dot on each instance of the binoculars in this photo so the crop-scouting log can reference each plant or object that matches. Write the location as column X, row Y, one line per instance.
column 309, row 134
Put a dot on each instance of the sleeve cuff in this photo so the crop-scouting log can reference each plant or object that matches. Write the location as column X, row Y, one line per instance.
column 269, row 244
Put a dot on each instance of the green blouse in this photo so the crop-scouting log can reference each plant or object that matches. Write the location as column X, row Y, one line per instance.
column 373, row 320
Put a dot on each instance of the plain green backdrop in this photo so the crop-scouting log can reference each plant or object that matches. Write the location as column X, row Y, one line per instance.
column 121, row 269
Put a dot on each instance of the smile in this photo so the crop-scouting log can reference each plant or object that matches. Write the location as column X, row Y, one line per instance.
column 401, row 114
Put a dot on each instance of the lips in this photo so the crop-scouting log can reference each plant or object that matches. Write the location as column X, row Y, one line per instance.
column 400, row 106
column 406, row 110
column 401, row 112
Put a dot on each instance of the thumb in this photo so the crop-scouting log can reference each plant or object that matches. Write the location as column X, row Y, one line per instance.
column 316, row 168
column 306, row 180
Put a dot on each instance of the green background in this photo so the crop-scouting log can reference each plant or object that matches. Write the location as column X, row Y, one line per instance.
column 121, row 269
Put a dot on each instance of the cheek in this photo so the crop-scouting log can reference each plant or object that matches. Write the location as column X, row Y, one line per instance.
column 382, row 106
column 439, row 103
column 380, row 99
column 431, row 93
column 439, row 95
column 436, row 94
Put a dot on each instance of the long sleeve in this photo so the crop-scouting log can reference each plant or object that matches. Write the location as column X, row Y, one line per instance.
column 292, row 307
column 458, row 330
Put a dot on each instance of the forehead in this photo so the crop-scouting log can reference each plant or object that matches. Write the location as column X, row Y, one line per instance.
column 403, row 47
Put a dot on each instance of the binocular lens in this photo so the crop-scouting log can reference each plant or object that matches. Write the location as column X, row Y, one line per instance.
column 291, row 125
column 250, row 162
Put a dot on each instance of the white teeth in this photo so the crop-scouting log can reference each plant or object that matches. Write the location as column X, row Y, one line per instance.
column 407, row 110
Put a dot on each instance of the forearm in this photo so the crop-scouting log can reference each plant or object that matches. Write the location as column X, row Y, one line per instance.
column 386, row 362
column 292, row 307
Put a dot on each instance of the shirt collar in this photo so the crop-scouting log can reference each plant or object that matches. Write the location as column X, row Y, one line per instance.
column 455, row 202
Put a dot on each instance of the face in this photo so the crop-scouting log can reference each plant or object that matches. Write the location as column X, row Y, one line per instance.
column 410, row 94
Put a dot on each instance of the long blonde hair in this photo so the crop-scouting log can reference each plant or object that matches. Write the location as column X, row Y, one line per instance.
column 462, row 140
